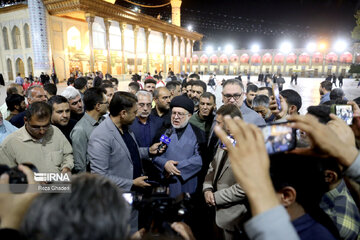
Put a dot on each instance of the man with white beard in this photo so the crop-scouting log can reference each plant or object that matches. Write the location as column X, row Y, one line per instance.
column 182, row 160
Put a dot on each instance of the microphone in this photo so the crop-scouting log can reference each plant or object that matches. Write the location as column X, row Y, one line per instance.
column 165, row 138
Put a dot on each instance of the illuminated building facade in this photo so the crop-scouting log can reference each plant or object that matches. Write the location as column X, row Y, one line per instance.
column 304, row 62
column 89, row 35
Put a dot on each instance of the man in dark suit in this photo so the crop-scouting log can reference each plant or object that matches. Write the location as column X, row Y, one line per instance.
column 114, row 152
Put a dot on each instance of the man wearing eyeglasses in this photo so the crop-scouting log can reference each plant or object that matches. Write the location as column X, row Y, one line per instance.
column 96, row 106
column 233, row 93
column 39, row 143
column 182, row 161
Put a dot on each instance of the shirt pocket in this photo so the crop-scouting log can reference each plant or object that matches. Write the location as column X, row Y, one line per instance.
column 56, row 157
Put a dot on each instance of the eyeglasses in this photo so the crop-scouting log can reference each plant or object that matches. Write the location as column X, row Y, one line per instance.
column 38, row 128
column 179, row 114
column 235, row 96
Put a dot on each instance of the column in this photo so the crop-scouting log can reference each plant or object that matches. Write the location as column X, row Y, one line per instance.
column 107, row 37
column 191, row 54
column 41, row 60
column 200, row 46
column 323, row 64
column 173, row 38
column 209, row 64
column 90, row 19
column 176, row 12
column 147, row 34
column 284, row 69
column 261, row 64
column 310, row 61
column 164, row 65
column 136, row 30
column 272, row 62
column 23, row 47
column 122, row 29
column 186, row 47
column 250, row 62
column 180, row 62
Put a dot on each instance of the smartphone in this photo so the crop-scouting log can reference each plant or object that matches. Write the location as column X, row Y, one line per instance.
column 279, row 137
column 276, row 94
column 345, row 112
column 128, row 197
column 232, row 140
column 152, row 182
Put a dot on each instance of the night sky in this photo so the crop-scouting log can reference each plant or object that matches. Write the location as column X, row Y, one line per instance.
column 265, row 22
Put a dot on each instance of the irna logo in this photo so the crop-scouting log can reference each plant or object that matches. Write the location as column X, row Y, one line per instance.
column 51, row 177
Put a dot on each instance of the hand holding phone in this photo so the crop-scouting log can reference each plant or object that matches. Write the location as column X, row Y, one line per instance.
column 344, row 112
column 279, row 137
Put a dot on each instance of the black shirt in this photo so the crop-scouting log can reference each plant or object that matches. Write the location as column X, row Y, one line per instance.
column 166, row 117
column 66, row 130
column 134, row 152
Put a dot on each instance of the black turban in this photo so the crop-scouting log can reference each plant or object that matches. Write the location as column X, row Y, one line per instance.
column 183, row 102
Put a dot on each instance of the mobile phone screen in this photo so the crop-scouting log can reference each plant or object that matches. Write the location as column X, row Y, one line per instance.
column 279, row 137
column 344, row 112
column 276, row 94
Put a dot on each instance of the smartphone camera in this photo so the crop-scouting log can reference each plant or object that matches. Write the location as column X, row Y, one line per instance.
column 345, row 112
column 279, row 137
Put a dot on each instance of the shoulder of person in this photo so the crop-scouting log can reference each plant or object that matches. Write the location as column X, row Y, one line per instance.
column 200, row 134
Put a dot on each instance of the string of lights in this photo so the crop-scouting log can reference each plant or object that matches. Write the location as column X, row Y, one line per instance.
column 147, row 6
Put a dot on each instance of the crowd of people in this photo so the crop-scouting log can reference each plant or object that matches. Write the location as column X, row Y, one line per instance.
column 168, row 131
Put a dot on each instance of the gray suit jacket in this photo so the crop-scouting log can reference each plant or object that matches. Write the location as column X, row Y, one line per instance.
column 229, row 196
column 109, row 155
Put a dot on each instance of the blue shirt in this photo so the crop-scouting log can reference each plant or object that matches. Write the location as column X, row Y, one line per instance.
column 325, row 98
column 309, row 229
column 5, row 129
column 145, row 133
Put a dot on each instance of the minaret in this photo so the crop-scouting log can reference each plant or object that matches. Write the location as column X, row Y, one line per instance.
column 39, row 36
column 176, row 12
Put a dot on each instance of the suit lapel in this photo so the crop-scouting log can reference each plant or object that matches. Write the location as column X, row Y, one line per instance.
column 119, row 138
column 225, row 167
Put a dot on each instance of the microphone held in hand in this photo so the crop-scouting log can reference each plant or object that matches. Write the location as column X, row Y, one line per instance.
column 165, row 138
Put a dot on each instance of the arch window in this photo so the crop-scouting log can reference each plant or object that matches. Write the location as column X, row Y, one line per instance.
column 6, row 38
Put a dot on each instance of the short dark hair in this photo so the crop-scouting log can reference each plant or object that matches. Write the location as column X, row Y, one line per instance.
column 194, row 75
column 172, row 85
column 41, row 110
column 269, row 89
column 233, row 82
column 208, row 95
column 321, row 112
column 157, row 92
column 292, row 97
column 12, row 89
column 114, row 81
column 200, row 84
column 327, row 85
column 229, row 109
column 93, row 96
column 150, row 80
column 92, row 197
column 58, row 99
column 337, row 93
column 50, row 88
column 287, row 170
column 251, row 88
column 13, row 100
column 134, row 85
column 80, row 83
column 108, row 82
column 121, row 101
column 105, row 86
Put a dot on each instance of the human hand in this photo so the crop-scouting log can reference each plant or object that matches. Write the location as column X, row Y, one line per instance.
column 273, row 106
column 170, row 167
column 183, row 229
column 14, row 206
column 140, row 182
column 250, row 163
column 342, row 130
column 154, row 148
column 323, row 138
column 209, row 198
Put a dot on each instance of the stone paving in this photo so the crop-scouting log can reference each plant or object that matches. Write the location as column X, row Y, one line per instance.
column 308, row 88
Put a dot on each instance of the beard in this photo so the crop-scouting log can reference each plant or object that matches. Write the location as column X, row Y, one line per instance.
column 196, row 102
column 186, row 121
